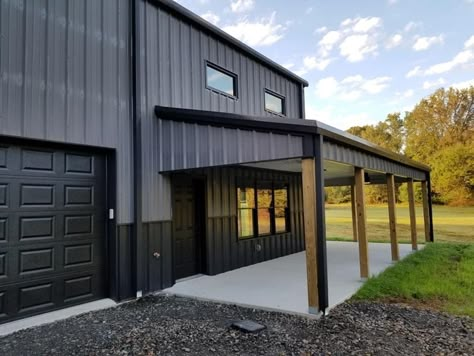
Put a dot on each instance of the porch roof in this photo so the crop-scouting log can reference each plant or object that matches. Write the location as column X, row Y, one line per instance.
column 339, row 146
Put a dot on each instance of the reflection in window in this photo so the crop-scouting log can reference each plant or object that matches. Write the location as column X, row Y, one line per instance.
column 262, row 209
column 246, row 205
column 264, row 205
column 281, row 209
column 221, row 80
column 274, row 103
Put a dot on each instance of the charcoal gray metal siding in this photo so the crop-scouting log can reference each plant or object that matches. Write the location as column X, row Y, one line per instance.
column 172, row 71
column 340, row 153
column 64, row 77
column 224, row 251
column 187, row 146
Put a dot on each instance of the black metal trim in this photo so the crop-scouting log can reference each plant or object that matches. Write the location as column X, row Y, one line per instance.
column 430, row 207
column 278, row 96
column 227, row 72
column 284, row 125
column 321, row 225
column 208, row 27
column 137, row 278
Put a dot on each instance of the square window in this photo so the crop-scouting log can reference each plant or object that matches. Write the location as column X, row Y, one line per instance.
column 221, row 80
column 274, row 103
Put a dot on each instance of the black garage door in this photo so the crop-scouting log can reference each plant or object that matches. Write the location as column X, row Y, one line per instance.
column 52, row 229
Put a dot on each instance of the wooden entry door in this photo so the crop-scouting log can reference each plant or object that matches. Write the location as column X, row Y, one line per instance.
column 187, row 227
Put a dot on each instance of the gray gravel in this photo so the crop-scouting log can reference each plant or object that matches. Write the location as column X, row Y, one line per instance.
column 165, row 325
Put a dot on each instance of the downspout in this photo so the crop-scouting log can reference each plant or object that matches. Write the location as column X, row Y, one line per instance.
column 430, row 207
column 137, row 282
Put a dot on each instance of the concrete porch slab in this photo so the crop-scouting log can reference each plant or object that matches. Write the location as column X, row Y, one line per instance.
column 46, row 318
column 280, row 284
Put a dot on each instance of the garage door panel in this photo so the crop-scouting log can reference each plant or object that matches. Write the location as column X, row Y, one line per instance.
column 79, row 164
column 3, row 195
column 52, row 229
column 3, row 157
column 3, row 229
column 37, row 160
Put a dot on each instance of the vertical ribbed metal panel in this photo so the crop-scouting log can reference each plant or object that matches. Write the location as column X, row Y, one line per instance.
column 64, row 77
column 339, row 153
column 188, row 146
column 224, row 251
column 172, row 63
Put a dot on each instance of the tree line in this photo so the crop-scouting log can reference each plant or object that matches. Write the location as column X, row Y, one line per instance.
column 439, row 132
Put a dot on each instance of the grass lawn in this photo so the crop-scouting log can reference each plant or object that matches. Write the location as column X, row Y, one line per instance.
column 450, row 223
column 440, row 276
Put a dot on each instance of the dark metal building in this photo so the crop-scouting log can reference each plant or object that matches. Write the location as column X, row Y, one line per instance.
column 140, row 144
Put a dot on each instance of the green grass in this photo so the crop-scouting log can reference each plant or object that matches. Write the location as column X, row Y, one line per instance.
column 440, row 276
column 453, row 224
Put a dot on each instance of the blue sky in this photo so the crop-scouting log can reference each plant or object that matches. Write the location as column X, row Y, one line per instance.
column 363, row 59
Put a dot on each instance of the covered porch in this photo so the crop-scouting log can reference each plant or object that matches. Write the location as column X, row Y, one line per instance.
column 280, row 284
column 317, row 156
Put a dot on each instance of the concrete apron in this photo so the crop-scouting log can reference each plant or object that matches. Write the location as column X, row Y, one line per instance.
column 280, row 284
column 50, row 317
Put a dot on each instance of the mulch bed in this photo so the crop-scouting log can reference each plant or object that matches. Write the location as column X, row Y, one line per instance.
column 167, row 325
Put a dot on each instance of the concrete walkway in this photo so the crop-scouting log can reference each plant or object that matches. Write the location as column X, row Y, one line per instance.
column 280, row 284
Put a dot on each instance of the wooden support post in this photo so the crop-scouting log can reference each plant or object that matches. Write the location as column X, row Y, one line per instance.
column 354, row 213
column 411, row 207
column 361, row 223
column 426, row 210
column 309, row 205
column 392, row 216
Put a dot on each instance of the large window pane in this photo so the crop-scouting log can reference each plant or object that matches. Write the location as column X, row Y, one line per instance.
column 245, row 223
column 264, row 221
column 274, row 103
column 281, row 209
column 219, row 80
column 246, row 205
column 264, row 205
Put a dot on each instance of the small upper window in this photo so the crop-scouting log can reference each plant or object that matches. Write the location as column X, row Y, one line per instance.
column 221, row 80
column 274, row 103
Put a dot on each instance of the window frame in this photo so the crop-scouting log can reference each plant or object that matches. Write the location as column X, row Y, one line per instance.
column 263, row 184
column 276, row 95
column 223, row 71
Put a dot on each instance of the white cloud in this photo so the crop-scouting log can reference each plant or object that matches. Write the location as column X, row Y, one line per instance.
column 433, row 84
column 309, row 10
column 470, row 42
column 463, row 57
column 314, row 62
column 288, row 65
column 411, row 26
column 328, row 41
column 463, row 85
column 239, row 6
column 356, row 47
column 321, row 29
column 366, row 24
column 414, row 72
column 394, row 41
column 392, row 2
column 211, row 17
column 423, row 43
column 350, row 88
column 327, row 87
column 264, row 32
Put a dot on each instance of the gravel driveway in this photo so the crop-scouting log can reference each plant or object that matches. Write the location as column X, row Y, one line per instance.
column 164, row 325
